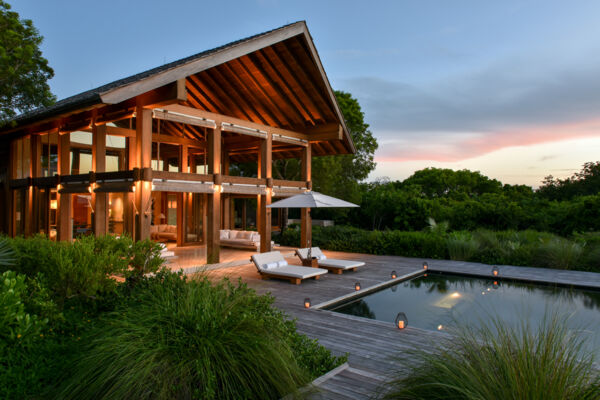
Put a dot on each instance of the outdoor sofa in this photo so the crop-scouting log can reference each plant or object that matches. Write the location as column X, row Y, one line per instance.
column 240, row 239
column 273, row 265
column 331, row 264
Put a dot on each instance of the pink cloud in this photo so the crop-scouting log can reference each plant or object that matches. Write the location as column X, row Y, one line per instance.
column 454, row 146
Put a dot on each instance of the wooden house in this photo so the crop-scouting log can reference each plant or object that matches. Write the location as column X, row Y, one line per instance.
column 150, row 155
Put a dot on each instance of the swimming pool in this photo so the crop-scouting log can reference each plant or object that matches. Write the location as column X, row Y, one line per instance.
column 436, row 301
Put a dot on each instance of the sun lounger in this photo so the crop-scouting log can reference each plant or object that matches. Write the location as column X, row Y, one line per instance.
column 333, row 265
column 273, row 265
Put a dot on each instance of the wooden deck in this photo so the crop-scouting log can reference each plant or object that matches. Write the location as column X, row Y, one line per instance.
column 376, row 349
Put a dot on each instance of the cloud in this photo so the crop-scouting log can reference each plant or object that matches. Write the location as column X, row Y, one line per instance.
column 520, row 101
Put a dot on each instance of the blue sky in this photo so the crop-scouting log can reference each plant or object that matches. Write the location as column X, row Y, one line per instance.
column 509, row 88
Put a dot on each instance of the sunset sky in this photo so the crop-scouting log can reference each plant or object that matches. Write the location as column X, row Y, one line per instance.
column 509, row 88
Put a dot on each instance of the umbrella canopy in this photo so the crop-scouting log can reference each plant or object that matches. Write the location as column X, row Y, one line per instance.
column 311, row 200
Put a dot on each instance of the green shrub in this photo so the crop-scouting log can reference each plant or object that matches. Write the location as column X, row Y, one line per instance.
column 17, row 326
column 85, row 268
column 191, row 339
column 502, row 362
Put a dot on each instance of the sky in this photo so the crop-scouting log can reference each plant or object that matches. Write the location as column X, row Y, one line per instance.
column 508, row 88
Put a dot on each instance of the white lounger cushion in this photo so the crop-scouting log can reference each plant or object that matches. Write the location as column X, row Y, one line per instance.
column 292, row 271
column 328, row 262
column 262, row 260
column 341, row 264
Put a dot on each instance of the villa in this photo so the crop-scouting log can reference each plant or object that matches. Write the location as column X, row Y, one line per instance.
column 150, row 155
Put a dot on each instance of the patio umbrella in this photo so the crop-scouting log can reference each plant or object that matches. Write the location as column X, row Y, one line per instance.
column 310, row 200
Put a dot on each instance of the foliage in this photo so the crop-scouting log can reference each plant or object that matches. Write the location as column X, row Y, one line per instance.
column 583, row 183
column 345, row 238
column 526, row 248
column 190, row 339
column 461, row 246
column 24, row 72
column 498, row 361
column 468, row 201
column 17, row 326
column 86, row 267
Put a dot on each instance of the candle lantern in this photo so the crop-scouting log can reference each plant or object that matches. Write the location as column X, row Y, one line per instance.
column 495, row 286
column 495, row 271
column 425, row 266
column 394, row 275
column 307, row 302
column 401, row 320
column 357, row 286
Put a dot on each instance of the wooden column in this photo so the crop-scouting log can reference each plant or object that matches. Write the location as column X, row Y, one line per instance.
column 65, row 230
column 128, row 210
column 226, row 198
column 266, row 151
column 28, row 192
column 36, row 171
column 305, row 220
column 143, row 189
column 259, row 174
column 99, row 200
column 214, row 200
column 182, row 198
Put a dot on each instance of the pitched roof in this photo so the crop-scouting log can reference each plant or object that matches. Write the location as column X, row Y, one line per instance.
column 128, row 88
column 93, row 96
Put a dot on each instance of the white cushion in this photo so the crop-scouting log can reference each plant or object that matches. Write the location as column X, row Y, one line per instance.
column 255, row 237
column 223, row 234
column 153, row 228
column 322, row 257
column 162, row 227
column 282, row 263
column 270, row 265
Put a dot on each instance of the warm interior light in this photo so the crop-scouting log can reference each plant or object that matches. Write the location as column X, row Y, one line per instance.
column 455, row 295
column 425, row 266
column 53, row 204
column 393, row 275
column 440, row 327
column 307, row 302
column 357, row 286
column 495, row 271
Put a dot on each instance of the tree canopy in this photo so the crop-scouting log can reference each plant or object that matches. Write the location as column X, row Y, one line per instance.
column 24, row 72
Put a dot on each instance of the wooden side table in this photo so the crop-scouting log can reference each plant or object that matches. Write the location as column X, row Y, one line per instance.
column 311, row 263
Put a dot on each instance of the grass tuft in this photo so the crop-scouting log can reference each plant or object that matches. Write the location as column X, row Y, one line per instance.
column 502, row 362
column 188, row 339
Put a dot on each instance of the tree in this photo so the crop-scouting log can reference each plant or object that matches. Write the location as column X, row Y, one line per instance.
column 24, row 73
column 583, row 183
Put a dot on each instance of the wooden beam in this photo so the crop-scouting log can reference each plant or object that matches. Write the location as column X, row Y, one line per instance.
column 100, row 200
column 219, row 118
column 326, row 132
column 213, row 241
column 170, row 139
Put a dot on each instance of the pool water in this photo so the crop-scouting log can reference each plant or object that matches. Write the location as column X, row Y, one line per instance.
column 440, row 301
